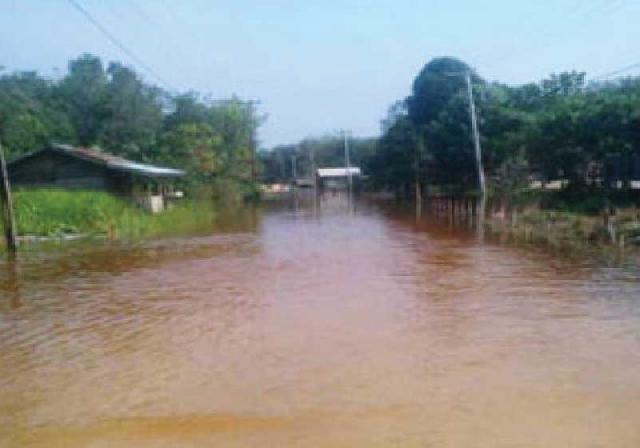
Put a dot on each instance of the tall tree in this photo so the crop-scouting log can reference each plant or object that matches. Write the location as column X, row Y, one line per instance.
column 84, row 89
column 132, row 114
column 31, row 113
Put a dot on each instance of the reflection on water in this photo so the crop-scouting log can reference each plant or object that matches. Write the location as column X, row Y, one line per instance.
column 317, row 324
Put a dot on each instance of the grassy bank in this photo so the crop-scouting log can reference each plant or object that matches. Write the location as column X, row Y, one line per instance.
column 568, row 219
column 53, row 213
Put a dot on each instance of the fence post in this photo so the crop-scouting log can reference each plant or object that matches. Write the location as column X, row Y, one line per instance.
column 7, row 206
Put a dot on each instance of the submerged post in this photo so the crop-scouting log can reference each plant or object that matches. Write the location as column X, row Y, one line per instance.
column 8, row 220
column 347, row 160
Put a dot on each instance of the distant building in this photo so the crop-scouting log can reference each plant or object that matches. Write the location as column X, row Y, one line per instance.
column 63, row 166
column 337, row 178
column 337, row 173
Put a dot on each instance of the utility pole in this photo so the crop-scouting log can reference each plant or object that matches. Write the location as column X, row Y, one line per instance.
column 476, row 137
column 313, row 168
column 294, row 174
column 476, row 142
column 254, row 171
column 282, row 164
column 416, row 172
column 253, row 139
column 7, row 207
column 347, row 161
column 293, row 169
column 314, row 177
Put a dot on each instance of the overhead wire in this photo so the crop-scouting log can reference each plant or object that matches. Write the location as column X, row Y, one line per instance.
column 114, row 40
column 574, row 12
column 616, row 72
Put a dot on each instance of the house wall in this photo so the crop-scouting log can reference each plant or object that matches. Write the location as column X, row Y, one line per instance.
column 55, row 170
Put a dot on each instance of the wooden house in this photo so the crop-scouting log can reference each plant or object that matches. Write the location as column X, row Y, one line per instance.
column 64, row 166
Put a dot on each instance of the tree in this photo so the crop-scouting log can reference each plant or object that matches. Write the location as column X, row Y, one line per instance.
column 393, row 165
column 31, row 113
column 436, row 84
column 194, row 146
column 132, row 114
column 84, row 90
column 557, row 128
column 438, row 110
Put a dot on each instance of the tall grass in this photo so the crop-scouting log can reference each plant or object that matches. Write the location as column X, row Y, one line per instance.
column 54, row 212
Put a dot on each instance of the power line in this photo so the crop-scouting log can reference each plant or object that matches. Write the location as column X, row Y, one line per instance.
column 575, row 12
column 114, row 40
column 616, row 72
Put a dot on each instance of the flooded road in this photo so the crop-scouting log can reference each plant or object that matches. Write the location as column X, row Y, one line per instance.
column 318, row 327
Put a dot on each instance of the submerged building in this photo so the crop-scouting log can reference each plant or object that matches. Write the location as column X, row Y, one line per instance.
column 64, row 166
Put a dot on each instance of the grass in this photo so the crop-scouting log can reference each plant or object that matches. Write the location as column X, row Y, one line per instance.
column 572, row 217
column 569, row 230
column 57, row 212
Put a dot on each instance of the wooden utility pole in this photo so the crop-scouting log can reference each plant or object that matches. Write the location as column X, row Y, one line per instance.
column 476, row 137
column 314, row 176
column 347, row 160
column 254, row 171
column 294, row 173
column 7, row 206
column 282, row 164
column 482, row 206
column 418, row 187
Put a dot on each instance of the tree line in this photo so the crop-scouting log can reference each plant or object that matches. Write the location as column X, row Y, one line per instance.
column 585, row 134
column 113, row 108
column 562, row 128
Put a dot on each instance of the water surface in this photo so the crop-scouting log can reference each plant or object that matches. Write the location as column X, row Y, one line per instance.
column 326, row 326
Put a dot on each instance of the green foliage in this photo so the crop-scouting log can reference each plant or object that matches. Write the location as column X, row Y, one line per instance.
column 133, row 114
column 426, row 138
column 30, row 113
column 83, row 90
column 394, row 161
column 590, row 201
column 434, row 87
column 54, row 212
column 213, row 140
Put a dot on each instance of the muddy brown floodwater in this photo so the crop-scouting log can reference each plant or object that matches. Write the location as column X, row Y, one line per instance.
column 317, row 327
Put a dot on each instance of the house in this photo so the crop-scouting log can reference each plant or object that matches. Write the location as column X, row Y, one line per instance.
column 64, row 166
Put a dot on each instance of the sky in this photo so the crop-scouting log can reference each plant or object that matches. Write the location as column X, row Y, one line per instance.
column 317, row 67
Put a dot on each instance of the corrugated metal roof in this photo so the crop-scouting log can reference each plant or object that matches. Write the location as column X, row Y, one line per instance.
column 110, row 161
column 339, row 172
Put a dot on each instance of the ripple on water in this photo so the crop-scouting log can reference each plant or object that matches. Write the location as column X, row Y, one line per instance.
column 318, row 328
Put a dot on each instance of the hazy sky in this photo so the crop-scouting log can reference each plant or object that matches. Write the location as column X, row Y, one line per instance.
column 319, row 66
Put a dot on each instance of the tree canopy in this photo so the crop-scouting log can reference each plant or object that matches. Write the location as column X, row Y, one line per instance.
column 558, row 128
